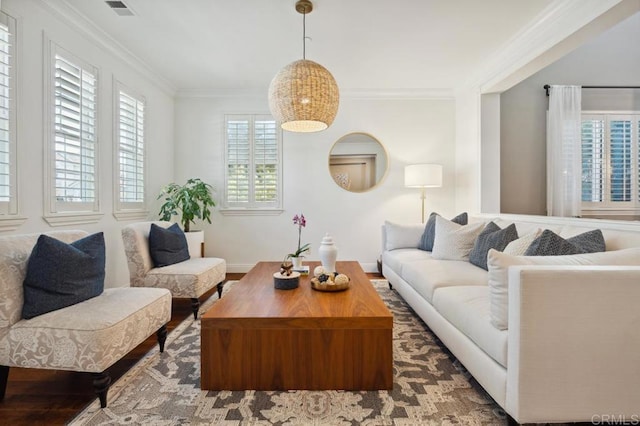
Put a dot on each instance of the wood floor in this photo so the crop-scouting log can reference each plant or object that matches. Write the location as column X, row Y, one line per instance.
column 49, row 397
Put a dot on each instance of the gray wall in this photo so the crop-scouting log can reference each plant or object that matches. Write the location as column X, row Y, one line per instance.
column 612, row 59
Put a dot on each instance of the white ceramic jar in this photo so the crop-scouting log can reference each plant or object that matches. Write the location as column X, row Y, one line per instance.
column 328, row 253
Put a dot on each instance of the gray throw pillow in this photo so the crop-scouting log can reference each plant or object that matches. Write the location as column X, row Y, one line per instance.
column 491, row 237
column 429, row 234
column 60, row 274
column 167, row 246
column 551, row 244
column 589, row 242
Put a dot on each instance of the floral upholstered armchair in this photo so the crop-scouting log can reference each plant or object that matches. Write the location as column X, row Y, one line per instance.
column 188, row 279
column 88, row 336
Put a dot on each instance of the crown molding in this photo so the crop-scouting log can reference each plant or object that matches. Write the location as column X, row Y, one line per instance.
column 554, row 24
column 437, row 94
column 72, row 17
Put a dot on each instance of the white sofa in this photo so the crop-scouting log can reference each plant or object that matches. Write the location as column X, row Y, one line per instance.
column 571, row 352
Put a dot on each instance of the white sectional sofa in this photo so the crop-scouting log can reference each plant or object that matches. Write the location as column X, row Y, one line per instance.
column 571, row 350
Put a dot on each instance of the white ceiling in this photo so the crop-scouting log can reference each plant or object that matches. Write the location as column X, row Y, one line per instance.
column 366, row 44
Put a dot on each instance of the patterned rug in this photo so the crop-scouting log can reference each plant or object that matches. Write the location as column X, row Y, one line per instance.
column 430, row 387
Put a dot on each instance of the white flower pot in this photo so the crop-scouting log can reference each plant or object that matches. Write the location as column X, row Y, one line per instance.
column 297, row 262
column 195, row 241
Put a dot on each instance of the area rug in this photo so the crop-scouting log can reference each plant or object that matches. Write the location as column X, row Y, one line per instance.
column 430, row 387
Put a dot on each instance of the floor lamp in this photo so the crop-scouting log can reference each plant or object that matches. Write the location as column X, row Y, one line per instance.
column 423, row 176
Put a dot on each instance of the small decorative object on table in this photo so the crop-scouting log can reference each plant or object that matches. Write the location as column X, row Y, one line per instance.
column 328, row 253
column 286, row 279
column 329, row 281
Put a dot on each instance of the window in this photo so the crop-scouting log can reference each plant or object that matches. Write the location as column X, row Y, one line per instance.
column 253, row 164
column 8, row 196
column 130, row 154
column 610, row 159
column 73, row 151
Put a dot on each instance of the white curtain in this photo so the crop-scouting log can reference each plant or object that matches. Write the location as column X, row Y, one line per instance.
column 564, row 167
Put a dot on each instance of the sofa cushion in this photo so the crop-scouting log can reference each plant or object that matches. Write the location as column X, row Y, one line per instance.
column 88, row 336
column 191, row 278
column 167, row 246
column 498, row 273
column 491, row 237
column 60, row 274
column 467, row 308
column 399, row 236
column 551, row 244
column 429, row 234
column 395, row 259
column 425, row 276
column 453, row 241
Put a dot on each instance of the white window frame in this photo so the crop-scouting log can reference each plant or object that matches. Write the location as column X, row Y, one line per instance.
column 9, row 217
column 252, row 207
column 608, row 207
column 127, row 210
column 58, row 213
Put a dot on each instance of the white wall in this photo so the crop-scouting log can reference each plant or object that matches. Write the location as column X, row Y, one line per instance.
column 33, row 20
column 612, row 59
column 411, row 130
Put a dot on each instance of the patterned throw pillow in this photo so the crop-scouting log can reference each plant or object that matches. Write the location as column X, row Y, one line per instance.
column 453, row 241
column 167, row 246
column 60, row 274
column 551, row 244
column 519, row 247
column 491, row 237
column 429, row 234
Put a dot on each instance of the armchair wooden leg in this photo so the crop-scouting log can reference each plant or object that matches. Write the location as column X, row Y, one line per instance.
column 4, row 376
column 390, row 285
column 195, row 306
column 101, row 383
column 162, row 337
column 220, row 285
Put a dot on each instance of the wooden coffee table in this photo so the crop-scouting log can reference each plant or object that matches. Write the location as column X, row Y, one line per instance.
column 257, row 337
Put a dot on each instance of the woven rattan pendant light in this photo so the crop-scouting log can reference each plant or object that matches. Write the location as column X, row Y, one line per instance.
column 304, row 96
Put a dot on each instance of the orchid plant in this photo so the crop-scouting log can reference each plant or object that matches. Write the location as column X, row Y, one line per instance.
column 301, row 222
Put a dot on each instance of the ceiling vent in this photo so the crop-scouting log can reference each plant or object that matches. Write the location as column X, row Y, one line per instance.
column 119, row 8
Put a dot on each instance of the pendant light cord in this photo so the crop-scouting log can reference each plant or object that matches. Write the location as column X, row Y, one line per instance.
column 304, row 34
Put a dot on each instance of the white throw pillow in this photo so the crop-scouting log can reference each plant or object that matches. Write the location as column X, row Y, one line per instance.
column 453, row 241
column 519, row 247
column 498, row 273
column 402, row 236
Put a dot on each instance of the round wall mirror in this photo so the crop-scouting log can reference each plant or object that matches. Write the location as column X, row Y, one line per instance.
column 358, row 162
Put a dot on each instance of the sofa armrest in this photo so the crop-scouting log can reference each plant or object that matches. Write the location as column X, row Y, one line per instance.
column 574, row 340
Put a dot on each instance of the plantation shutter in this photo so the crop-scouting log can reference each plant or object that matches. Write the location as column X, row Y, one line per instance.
column 5, row 112
column 74, row 132
column 253, row 163
column 593, row 159
column 131, row 148
column 266, row 159
column 238, row 160
column 620, row 163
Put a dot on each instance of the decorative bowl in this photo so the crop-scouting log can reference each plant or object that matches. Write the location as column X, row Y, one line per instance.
column 323, row 286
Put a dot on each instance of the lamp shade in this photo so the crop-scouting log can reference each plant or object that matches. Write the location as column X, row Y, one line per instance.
column 423, row 176
column 304, row 97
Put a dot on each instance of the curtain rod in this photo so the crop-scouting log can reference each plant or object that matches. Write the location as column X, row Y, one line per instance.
column 546, row 87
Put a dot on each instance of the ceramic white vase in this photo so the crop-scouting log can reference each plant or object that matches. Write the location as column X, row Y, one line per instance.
column 328, row 253
column 297, row 262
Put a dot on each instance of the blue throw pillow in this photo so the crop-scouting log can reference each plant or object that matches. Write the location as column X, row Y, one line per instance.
column 491, row 237
column 61, row 274
column 429, row 234
column 551, row 244
column 167, row 246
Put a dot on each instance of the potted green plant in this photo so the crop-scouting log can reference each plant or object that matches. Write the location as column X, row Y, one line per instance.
column 190, row 201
